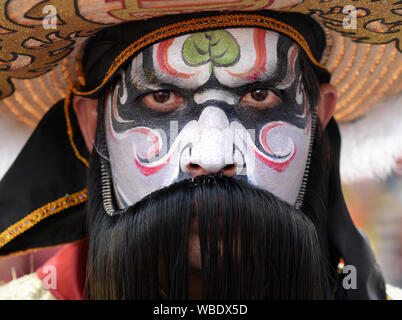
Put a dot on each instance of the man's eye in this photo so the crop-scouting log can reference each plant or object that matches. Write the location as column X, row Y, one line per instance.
column 163, row 101
column 260, row 99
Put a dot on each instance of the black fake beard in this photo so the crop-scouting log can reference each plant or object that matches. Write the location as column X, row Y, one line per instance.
column 252, row 244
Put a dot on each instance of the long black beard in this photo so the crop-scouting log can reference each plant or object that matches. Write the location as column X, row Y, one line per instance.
column 252, row 244
column 263, row 248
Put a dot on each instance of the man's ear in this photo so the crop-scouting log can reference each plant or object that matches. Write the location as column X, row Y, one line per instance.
column 87, row 115
column 327, row 103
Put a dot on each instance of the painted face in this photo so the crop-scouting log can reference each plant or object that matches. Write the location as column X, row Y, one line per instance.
column 211, row 101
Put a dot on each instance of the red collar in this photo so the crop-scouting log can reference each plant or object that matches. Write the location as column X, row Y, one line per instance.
column 64, row 273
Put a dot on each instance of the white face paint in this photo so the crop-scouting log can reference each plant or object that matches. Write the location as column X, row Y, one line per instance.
column 210, row 100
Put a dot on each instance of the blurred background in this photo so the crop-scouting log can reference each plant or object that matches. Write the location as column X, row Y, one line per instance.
column 376, row 208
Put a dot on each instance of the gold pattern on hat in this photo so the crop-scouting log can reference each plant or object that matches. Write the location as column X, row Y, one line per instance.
column 198, row 24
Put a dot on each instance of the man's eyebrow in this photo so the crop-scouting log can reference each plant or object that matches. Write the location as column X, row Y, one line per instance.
column 272, row 80
column 142, row 81
column 273, row 77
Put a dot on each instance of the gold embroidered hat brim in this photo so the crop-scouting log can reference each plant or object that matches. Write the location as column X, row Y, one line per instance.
column 38, row 64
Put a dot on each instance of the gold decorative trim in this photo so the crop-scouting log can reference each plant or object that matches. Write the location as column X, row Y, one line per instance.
column 70, row 129
column 362, row 64
column 53, row 207
column 182, row 27
column 354, row 92
column 349, row 65
column 40, row 214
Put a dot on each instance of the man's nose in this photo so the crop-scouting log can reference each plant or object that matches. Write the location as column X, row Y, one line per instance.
column 195, row 170
column 212, row 151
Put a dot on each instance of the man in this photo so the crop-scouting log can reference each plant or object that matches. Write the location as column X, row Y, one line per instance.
column 178, row 82
column 214, row 165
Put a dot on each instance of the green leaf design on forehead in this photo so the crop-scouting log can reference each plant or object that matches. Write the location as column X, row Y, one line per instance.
column 217, row 47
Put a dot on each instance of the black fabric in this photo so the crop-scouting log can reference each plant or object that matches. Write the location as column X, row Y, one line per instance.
column 350, row 242
column 45, row 170
column 102, row 49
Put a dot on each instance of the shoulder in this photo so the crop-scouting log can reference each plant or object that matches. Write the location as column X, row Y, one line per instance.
column 393, row 293
column 28, row 287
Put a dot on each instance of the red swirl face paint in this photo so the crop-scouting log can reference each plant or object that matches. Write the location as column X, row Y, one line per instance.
column 230, row 97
